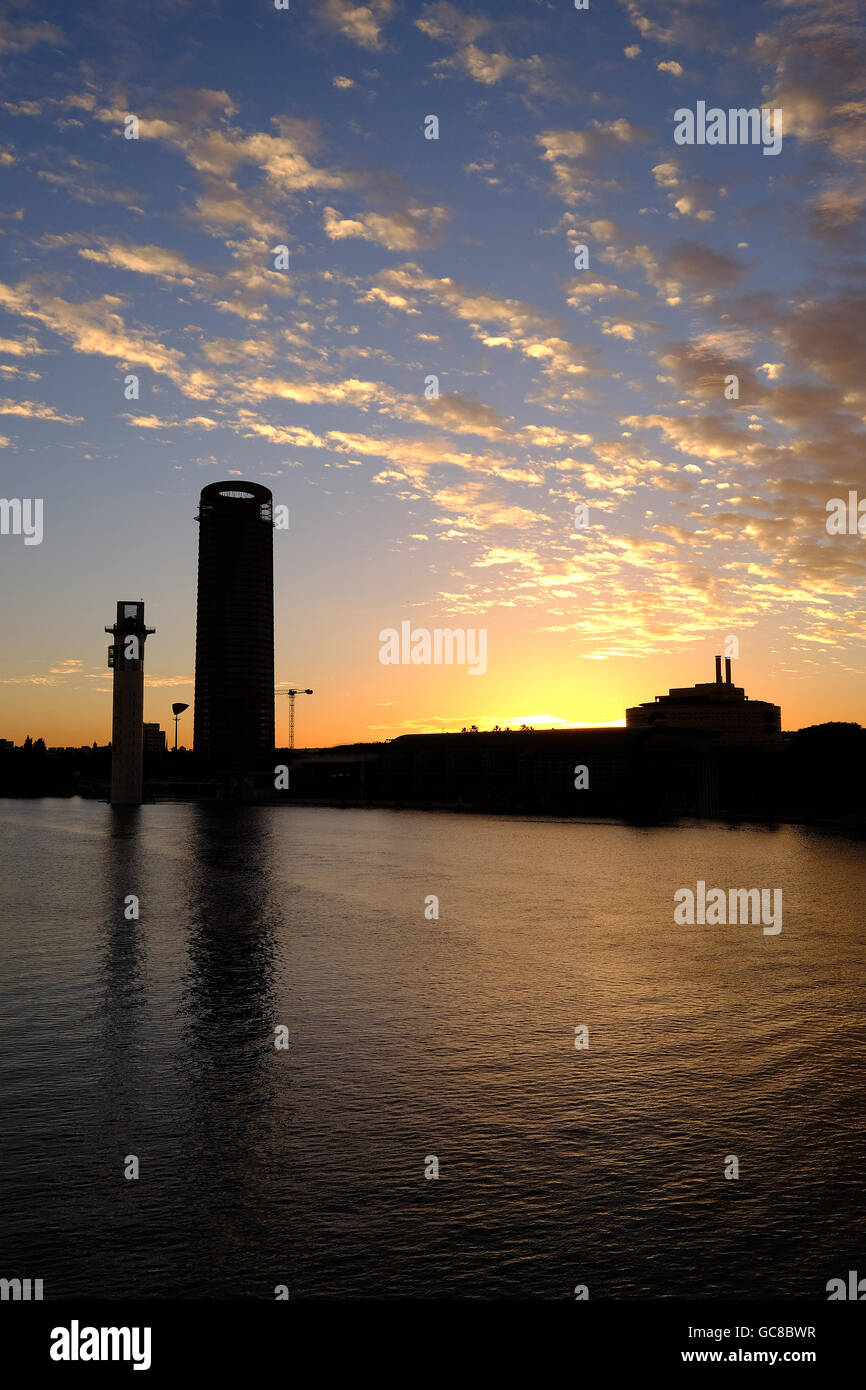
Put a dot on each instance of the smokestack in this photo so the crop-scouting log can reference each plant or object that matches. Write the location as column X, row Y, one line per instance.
column 718, row 670
column 727, row 670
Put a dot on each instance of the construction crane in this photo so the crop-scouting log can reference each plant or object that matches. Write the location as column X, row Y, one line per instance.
column 292, row 692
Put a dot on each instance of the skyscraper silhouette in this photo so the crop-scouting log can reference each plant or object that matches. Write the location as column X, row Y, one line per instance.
column 234, row 650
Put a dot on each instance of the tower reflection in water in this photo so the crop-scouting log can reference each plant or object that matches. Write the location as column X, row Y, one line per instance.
column 192, row 1084
column 229, row 1008
column 124, row 996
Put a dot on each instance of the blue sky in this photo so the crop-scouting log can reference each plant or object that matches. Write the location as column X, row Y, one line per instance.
column 453, row 257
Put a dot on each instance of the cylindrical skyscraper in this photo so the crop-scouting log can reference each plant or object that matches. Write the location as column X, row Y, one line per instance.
column 234, row 648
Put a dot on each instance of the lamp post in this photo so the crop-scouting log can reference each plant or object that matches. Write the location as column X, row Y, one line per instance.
column 177, row 710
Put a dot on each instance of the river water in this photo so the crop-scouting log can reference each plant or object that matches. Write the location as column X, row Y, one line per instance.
column 412, row 1039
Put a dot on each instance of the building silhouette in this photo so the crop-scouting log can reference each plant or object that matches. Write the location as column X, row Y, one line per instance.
column 126, row 656
column 154, row 740
column 714, row 707
column 234, row 651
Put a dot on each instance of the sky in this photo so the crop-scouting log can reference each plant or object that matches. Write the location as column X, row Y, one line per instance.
column 560, row 385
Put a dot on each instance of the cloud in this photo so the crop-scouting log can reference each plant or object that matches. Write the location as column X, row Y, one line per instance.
column 221, row 351
column 627, row 330
column 23, row 108
column 143, row 260
column 596, row 288
column 509, row 324
column 408, row 230
column 361, row 24
column 472, row 61
column 222, row 205
column 818, row 57
column 447, row 24
column 96, row 326
column 687, row 266
column 713, row 437
column 539, row 76
column 514, row 318
column 20, row 38
column 444, row 21
column 694, row 22
column 37, row 410
column 483, row 168
column 352, row 391
column 9, row 369
column 457, row 415
column 602, row 138
column 154, row 422
column 249, row 424
column 20, row 347
column 91, row 183
column 690, row 196
column 572, row 153
column 200, row 125
column 244, row 288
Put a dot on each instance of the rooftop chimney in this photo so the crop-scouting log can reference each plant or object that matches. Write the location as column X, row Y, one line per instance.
column 718, row 670
column 727, row 670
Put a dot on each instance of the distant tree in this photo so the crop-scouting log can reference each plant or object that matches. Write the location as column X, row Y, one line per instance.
column 39, row 746
column 527, row 728
column 833, row 730
column 28, row 744
column 827, row 768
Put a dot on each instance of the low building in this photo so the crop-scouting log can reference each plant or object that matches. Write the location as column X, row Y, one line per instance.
column 154, row 740
column 716, row 708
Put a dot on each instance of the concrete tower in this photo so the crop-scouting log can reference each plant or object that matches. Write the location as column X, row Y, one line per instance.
column 127, row 736
column 234, row 649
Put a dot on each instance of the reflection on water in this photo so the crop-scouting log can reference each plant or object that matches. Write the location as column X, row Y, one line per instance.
column 122, row 950
column 227, row 1000
column 412, row 1037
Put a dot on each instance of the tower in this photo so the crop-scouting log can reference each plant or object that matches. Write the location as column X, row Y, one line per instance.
column 234, row 649
column 126, row 655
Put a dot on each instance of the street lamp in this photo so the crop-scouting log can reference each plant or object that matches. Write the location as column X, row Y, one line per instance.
column 177, row 710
